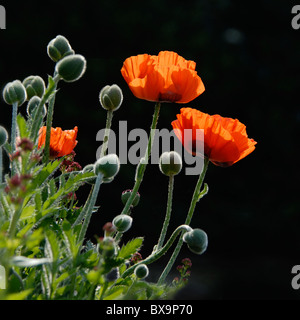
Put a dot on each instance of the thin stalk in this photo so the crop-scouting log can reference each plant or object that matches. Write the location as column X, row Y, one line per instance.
column 13, row 133
column 142, row 165
column 157, row 254
column 90, row 208
column 48, row 128
column 106, row 134
column 194, row 201
column 168, row 214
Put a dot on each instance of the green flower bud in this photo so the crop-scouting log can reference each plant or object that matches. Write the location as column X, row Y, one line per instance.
column 71, row 68
column 3, row 136
column 108, row 166
column 170, row 163
column 126, row 195
column 141, row 271
column 196, row 240
column 32, row 107
column 59, row 48
column 122, row 222
column 107, row 247
column 111, row 97
column 35, row 86
column 14, row 92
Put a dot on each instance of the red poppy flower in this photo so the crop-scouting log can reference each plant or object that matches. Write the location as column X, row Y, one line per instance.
column 167, row 77
column 62, row 142
column 224, row 140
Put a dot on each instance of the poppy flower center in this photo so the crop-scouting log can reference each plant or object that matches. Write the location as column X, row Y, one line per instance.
column 169, row 96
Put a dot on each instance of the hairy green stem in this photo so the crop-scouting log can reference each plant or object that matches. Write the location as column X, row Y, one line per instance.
column 1, row 165
column 106, row 134
column 157, row 254
column 168, row 214
column 141, row 166
column 48, row 128
column 194, row 201
column 13, row 133
column 91, row 203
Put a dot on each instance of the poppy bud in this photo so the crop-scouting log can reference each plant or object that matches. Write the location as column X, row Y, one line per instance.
column 141, row 271
column 71, row 68
column 122, row 222
column 35, row 86
column 32, row 107
column 170, row 163
column 108, row 166
column 58, row 48
column 196, row 240
column 3, row 136
column 111, row 97
column 107, row 247
column 14, row 92
column 125, row 196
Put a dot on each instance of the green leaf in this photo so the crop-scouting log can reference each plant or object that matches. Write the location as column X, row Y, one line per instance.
column 203, row 192
column 19, row 295
column 130, row 248
column 22, row 125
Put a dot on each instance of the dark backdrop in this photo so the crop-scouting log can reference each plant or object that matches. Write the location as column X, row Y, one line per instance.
column 247, row 55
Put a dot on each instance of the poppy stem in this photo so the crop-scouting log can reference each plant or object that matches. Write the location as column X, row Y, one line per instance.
column 13, row 133
column 106, row 134
column 141, row 166
column 188, row 219
column 48, row 128
column 156, row 255
column 90, row 208
column 168, row 213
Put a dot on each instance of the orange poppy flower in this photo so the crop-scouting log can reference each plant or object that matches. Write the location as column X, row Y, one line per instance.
column 62, row 142
column 167, row 77
column 224, row 140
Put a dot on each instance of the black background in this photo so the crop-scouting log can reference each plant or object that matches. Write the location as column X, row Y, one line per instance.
column 247, row 54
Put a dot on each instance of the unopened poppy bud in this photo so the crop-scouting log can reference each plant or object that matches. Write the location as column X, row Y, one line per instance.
column 59, row 48
column 3, row 136
column 122, row 222
column 35, row 86
column 111, row 97
column 196, row 240
column 170, row 163
column 125, row 196
column 141, row 271
column 32, row 106
column 108, row 166
column 71, row 68
column 14, row 92
column 107, row 247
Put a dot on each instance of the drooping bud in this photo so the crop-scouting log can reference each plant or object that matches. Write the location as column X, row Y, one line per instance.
column 3, row 136
column 141, row 271
column 14, row 92
column 59, row 48
column 126, row 195
column 32, row 106
column 122, row 222
column 108, row 166
column 170, row 163
column 196, row 240
column 71, row 68
column 35, row 86
column 111, row 97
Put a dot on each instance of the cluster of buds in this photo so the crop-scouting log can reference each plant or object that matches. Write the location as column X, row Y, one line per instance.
column 69, row 165
column 184, row 272
column 16, row 187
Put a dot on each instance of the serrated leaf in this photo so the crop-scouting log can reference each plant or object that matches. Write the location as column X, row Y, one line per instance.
column 203, row 192
column 130, row 248
column 22, row 125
